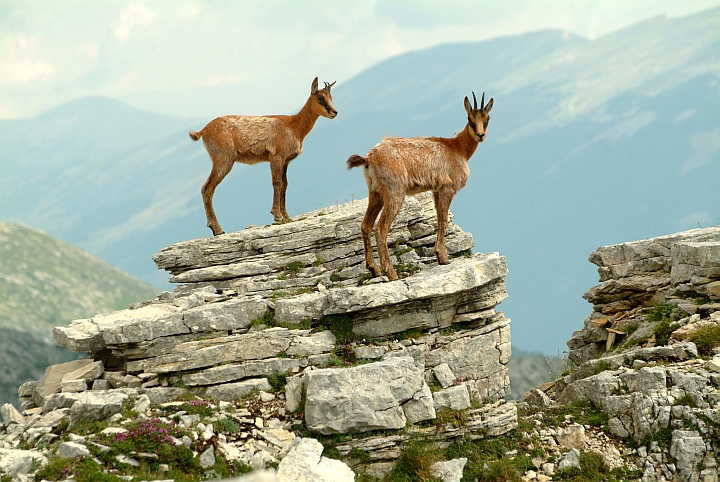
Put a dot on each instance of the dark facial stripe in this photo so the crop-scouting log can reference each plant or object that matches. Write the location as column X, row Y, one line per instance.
column 473, row 125
column 324, row 103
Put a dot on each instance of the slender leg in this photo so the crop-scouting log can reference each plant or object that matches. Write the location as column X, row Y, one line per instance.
column 276, row 170
column 220, row 169
column 283, row 190
column 390, row 210
column 375, row 204
column 442, row 206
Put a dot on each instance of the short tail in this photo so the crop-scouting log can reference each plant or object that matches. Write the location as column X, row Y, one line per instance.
column 356, row 161
column 195, row 135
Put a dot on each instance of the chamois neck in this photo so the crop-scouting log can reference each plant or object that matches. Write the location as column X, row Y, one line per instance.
column 303, row 122
column 466, row 143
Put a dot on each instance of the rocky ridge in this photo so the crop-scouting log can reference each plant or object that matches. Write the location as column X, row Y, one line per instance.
column 290, row 305
column 649, row 354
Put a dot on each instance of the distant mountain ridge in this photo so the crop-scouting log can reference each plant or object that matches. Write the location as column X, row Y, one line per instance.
column 591, row 142
column 45, row 282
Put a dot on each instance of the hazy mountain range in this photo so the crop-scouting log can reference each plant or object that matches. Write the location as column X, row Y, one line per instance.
column 590, row 143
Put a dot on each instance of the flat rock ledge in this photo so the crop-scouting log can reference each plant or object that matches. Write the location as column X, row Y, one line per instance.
column 293, row 302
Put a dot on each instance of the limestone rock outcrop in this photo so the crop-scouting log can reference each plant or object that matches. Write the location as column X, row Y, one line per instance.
column 291, row 305
column 637, row 357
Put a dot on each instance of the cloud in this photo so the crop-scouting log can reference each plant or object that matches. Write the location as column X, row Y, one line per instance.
column 130, row 17
column 18, row 67
column 706, row 147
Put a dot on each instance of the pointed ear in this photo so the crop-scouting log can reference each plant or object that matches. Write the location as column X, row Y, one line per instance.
column 314, row 86
column 468, row 107
column 488, row 107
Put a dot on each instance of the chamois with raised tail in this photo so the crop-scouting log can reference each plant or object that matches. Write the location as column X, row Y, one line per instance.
column 276, row 139
column 399, row 166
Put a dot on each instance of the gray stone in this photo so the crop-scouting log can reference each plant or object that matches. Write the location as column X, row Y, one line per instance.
column 72, row 449
column 420, row 407
column 305, row 306
column 100, row 384
column 571, row 437
column 233, row 372
column 370, row 352
column 164, row 394
column 571, row 459
column 688, row 449
column 51, row 381
column 52, row 419
column 74, row 386
column 235, row 391
column 361, row 398
column 537, row 398
column 315, row 344
column 88, row 372
column 87, row 406
column 646, row 379
column 304, row 462
column 11, row 415
column 206, row 353
column 16, row 463
column 293, row 393
column 454, row 398
column 142, row 404
column 27, row 389
column 227, row 315
column 124, row 459
column 207, row 458
column 449, row 471
column 214, row 273
column 444, row 375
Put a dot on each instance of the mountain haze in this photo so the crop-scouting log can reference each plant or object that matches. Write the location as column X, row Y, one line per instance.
column 591, row 142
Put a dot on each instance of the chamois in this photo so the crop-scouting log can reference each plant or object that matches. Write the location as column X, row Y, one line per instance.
column 276, row 139
column 399, row 166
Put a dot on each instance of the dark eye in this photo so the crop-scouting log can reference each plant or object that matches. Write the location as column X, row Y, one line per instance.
column 321, row 98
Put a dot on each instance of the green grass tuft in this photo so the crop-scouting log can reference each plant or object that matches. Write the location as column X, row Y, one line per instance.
column 706, row 338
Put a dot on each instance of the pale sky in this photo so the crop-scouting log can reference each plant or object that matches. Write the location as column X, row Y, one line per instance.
column 201, row 58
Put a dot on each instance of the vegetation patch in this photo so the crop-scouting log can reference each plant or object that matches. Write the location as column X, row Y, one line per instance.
column 414, row 463
column 465, row 253
column 293, row 268
column 602, row 366
column 405, row 270
column 706, row 338
column 227, row 425
column 341, row 326
column 662, row 332
column 687, row 400
column 594, row 469
column 278, row 381
column 664, row 311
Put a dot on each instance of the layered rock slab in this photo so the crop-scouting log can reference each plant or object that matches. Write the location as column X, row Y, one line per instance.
column 362, row 398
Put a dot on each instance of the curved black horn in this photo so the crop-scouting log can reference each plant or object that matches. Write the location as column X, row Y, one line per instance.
column 327, row 86
column 482, row 101
column 474, row 101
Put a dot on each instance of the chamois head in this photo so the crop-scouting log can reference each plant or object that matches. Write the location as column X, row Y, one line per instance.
column 478, row 118
column 322, row 100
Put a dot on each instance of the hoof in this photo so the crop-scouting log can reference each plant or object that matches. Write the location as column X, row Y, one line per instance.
column 374, row 271
column 218, row 234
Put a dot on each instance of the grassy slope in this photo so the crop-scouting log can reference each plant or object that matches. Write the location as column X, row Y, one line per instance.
column 45, row 282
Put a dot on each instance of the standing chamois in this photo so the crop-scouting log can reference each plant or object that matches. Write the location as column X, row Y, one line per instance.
column 398, row 166
column 276, row 139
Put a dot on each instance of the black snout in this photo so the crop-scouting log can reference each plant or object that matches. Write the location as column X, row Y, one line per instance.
column 480, row 137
